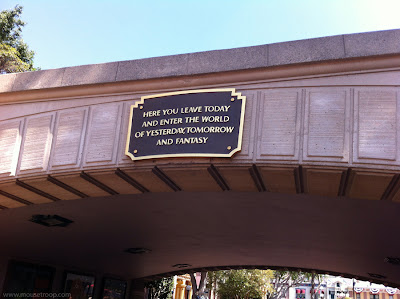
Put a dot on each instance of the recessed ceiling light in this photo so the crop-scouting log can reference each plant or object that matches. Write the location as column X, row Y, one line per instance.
column 374, row 275
column 393, row 260
column 51, row 220
column 137, row 250
column 180, row 266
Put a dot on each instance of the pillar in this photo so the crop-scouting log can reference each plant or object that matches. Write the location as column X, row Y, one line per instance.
column 3, row 272
column 190, row 292
column 180, row 290
column 137, row 290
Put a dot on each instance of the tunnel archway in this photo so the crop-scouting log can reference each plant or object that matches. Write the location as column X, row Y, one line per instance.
column 315, row 185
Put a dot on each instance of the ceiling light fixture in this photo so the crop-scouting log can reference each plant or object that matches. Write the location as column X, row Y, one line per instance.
column 50, row 220
column 393, row 260
column 180, row 266
column 137, row 250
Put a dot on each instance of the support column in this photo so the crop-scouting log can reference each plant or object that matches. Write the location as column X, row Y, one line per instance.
column 98, row 286
column 137, row 290
column 58, row 281
column 3, row 272
column 180, row 290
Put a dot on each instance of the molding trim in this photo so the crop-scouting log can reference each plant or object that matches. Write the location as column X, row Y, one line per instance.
column 229, row 78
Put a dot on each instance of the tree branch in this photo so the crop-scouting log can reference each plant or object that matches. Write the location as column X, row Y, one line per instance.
column 202, row 280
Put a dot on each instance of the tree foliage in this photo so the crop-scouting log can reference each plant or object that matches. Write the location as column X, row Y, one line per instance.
column 15, row 55
column 10, row 61
column 269, row 284
column 161, row 288
column 241, row 284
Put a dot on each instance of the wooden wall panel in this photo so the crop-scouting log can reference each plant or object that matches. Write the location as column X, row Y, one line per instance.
column 103, row 134
column 148, row 179
column 396, row 196
column 238, row 178
column 10, row 143
column 280, row 180
column 44, row 185
column 10, row 203
column 37, row 143
column 279, row 125
column 69, row 137
column 14, row 189
column 192, row 179
column 78, row 183
column 368, row 185
column 111, row 180
column 326, row 126
column 325, row 182
column 376, row 126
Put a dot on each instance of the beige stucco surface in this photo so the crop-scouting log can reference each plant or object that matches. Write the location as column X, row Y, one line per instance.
column 324, row 122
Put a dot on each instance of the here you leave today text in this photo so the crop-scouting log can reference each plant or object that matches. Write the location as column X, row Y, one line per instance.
column 178, row 125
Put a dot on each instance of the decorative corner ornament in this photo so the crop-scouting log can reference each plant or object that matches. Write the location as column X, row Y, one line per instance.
column 194, row 123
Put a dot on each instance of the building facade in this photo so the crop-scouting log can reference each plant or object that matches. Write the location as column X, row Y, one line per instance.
column 315, row 180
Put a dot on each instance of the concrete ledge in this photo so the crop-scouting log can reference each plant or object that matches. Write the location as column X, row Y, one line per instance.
column 7, row 82
column 228, row 60
column 309, row 50
column 38, row 80
column 87, row 74
column 157, row 67
column 331, row 48
column 372, row 43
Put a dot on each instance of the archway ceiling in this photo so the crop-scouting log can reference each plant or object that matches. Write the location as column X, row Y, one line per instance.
column 210, row 229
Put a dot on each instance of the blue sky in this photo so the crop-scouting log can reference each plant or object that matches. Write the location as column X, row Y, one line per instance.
column 68, row 33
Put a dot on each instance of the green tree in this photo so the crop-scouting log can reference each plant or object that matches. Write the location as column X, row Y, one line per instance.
column 15, row 55
column 161, row 288
column 242, row 284
column 212, row 281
